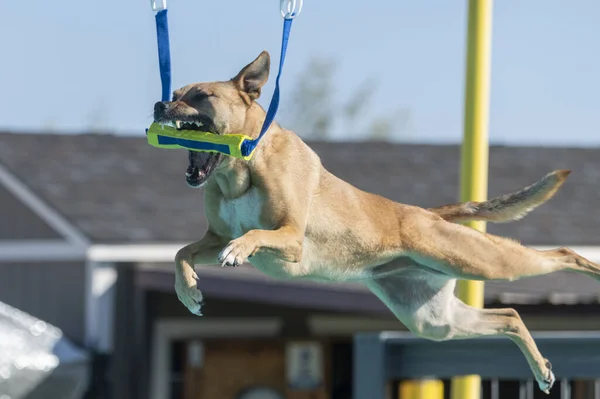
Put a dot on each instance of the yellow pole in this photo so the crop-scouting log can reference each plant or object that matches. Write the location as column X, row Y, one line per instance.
column 474, row 157
column 421, row 389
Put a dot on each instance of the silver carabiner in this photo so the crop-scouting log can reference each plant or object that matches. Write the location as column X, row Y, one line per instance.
column 290, row 8
column 158, row 5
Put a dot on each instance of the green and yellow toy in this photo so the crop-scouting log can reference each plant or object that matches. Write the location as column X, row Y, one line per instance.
column 233, row 145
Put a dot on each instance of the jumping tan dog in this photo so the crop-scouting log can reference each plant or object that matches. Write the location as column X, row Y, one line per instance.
column 290, row 218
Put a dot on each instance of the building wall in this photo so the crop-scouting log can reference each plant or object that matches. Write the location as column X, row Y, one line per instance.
column 295, row 320
column 53, row 292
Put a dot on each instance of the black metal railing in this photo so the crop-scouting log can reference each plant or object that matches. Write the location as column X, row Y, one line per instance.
column 380, row 358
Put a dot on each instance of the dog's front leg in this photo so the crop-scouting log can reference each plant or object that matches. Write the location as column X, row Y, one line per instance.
column 284, row 243
column 285, row 206
column 203, row 252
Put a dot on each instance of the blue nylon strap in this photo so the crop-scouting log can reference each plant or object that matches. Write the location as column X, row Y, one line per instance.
column 164, row 60
column 164, row 53
column 249, row 145
column 197, row 145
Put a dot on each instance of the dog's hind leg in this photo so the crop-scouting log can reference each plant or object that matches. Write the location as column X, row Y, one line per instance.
column 425, row 302
column 461, row 252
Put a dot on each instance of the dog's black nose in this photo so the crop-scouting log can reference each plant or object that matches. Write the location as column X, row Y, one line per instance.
column 159, row 109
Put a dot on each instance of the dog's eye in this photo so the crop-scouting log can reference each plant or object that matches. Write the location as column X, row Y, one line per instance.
column 200, row 96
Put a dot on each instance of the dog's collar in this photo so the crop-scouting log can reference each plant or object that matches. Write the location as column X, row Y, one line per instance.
column 165, row 136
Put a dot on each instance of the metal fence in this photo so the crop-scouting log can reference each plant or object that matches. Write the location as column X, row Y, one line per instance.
column 380, row 358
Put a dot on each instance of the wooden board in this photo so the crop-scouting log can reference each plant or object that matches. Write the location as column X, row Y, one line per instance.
column 232, row 365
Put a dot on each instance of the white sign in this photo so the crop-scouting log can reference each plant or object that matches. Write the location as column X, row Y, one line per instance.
column 304, row 366
column 195, row 353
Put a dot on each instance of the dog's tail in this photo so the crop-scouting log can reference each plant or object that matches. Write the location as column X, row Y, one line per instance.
column 508, row 207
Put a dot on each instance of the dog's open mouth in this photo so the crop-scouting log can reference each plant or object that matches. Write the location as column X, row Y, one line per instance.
column 202, row 164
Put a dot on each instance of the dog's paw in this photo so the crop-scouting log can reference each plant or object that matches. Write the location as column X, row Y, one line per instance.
column 548, row 381
column 236, row 253
column 190, row 296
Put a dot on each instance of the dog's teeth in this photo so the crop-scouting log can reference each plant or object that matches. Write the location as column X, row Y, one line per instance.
column 178, row 124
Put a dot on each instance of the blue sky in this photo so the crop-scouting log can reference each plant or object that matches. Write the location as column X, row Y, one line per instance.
column 74, row 65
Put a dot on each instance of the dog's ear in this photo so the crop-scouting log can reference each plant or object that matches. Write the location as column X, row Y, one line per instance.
column 253, row 77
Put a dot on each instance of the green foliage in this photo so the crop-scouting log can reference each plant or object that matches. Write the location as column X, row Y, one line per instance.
column 315, row 111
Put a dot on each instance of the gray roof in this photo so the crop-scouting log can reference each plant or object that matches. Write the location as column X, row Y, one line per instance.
column 120, row 189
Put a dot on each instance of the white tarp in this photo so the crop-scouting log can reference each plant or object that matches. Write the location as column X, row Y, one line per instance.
column 37, row 361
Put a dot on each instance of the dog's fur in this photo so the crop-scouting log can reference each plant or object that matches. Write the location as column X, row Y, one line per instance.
column 290, row 218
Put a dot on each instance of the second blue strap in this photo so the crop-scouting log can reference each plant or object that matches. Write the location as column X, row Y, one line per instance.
column 248, row 146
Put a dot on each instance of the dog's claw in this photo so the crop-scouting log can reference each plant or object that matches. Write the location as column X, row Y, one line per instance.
column 199, row 311
column 548, row 382
column 227, row 258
